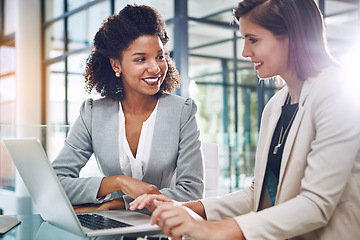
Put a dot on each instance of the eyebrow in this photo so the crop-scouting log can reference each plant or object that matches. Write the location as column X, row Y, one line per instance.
column 143, row 54
column 249, row 35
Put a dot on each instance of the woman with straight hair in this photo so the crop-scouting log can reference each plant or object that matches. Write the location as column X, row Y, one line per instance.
column 307, row 169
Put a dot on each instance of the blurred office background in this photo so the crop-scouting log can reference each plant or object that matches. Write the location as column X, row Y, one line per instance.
column 44, row 43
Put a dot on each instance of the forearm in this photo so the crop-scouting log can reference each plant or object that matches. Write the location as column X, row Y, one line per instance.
column 81, row 190
column 229, row 205
column 229, row 229
column 128, row 185
column 109, row 185
column 177, row 221
column 197, row 207
column 113, row 204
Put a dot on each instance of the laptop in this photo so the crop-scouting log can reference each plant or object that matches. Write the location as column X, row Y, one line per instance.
column 53, row 204
column 7, row 223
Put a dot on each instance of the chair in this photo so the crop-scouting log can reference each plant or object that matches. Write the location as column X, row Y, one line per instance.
column 211, row 159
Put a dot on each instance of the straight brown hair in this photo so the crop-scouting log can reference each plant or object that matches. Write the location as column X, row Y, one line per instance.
column 302, row 22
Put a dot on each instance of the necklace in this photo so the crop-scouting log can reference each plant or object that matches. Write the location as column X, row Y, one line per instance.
column 283, row 134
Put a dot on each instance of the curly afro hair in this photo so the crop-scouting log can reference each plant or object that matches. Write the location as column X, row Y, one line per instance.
column 115, row 36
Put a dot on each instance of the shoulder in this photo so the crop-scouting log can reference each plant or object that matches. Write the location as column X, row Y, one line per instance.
column 90, row 102
column 175, row 101
column 330, row 79
column 104, row 102
column 172, row 105
column 102, row 107
column 94, row 105
column 333, row 96
column 328, row 76
column 172, row 98
column 333, row 84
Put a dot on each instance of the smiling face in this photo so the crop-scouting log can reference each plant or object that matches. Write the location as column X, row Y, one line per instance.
column 268, row 52
column 143, row 66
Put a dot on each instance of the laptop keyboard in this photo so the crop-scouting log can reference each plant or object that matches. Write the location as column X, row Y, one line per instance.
column 97, row 222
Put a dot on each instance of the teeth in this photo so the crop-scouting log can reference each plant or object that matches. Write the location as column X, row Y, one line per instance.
column 151, row 79
column 257, row 64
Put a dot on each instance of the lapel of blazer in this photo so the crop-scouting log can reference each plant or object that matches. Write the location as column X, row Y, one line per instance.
column 108, row 137
column 293, row 132
column 105, row 135
column 156, row 148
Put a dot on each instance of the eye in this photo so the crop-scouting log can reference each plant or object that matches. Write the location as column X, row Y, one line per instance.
column 142, row 59
column 161, row 57
column 253, row 40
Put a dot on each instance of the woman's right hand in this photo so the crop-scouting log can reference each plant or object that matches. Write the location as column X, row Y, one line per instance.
column 151, row 202
column 135, row 188
column 128, row 185
column 179, row 221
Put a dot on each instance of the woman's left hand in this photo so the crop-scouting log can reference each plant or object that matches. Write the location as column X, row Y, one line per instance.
column 150, row 201
column 179, row 221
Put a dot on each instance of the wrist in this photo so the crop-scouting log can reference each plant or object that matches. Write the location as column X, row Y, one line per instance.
column 110, row 184
column 120, row 182
column 114, row 204
column 118, row 203
column 229, row 229
column 197, row 207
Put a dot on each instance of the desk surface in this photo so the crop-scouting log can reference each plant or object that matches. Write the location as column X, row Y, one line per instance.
column 32, row 227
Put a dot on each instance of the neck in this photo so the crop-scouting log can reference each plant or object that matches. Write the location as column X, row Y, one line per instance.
column 294, row 86
column 139, row 105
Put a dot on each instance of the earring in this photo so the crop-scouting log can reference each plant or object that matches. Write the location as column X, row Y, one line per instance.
column 117, row 74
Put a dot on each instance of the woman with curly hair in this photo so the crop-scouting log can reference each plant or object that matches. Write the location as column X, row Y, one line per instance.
column 139, row 133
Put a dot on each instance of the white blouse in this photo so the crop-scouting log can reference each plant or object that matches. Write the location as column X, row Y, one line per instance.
column 130, row 166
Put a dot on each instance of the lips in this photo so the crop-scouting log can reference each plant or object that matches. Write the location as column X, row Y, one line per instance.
column 152, row 80
column 257, row 65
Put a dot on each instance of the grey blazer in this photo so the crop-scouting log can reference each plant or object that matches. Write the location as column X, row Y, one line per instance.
column 175, row 146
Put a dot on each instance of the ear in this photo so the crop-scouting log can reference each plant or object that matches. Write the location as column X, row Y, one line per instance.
column 115, row 64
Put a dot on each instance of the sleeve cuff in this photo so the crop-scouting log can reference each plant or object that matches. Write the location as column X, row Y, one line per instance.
column 103, row 198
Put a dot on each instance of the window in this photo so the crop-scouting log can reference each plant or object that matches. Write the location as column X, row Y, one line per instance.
column 68, row 37
column 7, row 90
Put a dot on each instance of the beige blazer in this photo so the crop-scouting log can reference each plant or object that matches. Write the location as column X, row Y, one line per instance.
column 319, row 184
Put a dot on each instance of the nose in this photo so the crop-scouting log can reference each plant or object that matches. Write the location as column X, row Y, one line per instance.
column 246, row 51
column 153, row 67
